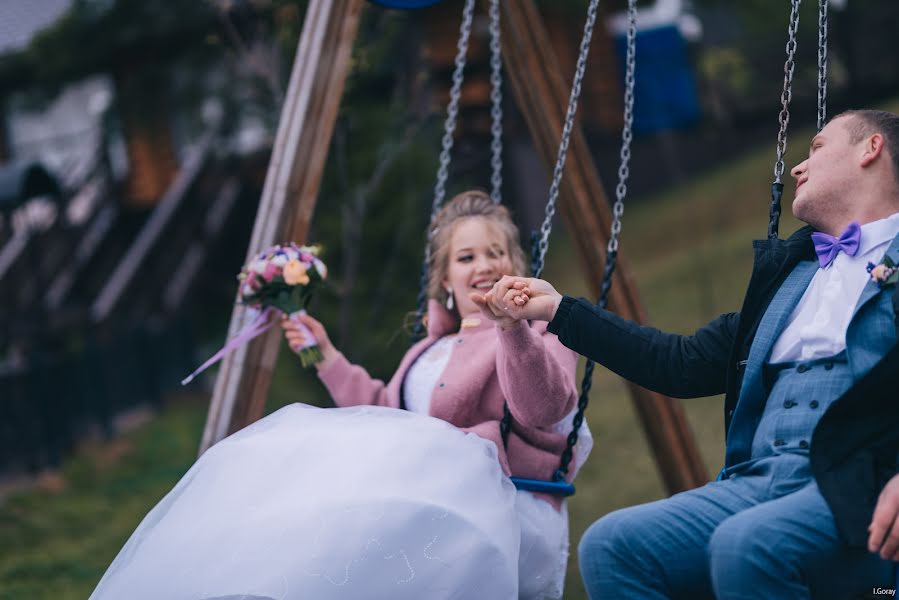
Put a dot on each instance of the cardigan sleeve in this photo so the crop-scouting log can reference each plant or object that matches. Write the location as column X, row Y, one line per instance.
column 682, row 366
column 537, row 374
column 351, row 385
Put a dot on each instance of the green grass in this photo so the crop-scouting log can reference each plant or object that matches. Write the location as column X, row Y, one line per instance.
column 58, row 539
column 689, row 252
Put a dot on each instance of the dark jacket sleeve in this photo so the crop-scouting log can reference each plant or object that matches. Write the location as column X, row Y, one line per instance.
column 682, row 366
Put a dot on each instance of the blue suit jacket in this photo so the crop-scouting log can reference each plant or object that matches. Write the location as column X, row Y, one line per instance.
column 856, row 443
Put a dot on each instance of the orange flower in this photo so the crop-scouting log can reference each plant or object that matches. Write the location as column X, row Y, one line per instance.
column 295, row 273
column 879, row 273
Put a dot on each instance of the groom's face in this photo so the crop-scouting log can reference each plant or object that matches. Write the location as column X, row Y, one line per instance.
column 825, row 180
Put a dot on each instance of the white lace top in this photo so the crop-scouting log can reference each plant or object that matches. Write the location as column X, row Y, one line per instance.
column 424, row 373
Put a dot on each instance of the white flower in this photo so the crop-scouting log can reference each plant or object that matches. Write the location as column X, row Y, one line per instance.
column 258, row 266
column 320, row 268
column 314, row 249
column 279, row 260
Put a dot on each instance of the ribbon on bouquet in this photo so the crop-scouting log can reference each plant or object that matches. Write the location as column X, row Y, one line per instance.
column 259, row 325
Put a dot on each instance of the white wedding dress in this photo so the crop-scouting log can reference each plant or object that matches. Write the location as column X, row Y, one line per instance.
column 314, row 504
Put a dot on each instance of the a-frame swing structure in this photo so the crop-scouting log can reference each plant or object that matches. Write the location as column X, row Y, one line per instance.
column 317, row 80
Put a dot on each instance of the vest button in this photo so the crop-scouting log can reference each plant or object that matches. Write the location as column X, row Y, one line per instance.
column 789, row 404
column 441, row 385
column 828, row 366
column 803, row 444
column 803, row 368
column 813, row 404
column 779, row 442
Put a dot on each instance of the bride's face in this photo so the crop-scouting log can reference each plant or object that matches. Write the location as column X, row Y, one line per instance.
column 478, row 258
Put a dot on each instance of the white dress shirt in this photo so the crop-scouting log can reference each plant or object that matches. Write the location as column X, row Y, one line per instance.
column 817, row 326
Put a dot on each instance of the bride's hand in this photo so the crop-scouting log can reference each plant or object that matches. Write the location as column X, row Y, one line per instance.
column 491, row 310
column 525, row 298
column 296, row 339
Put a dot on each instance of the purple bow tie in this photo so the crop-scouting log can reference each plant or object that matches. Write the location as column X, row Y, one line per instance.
column 827, row 247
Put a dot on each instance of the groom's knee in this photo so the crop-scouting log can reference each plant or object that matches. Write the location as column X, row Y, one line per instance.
column 603, row 551
column 613, row 541
column 739, row 550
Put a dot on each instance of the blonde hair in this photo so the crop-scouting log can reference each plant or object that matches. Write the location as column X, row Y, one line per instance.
column 473, row 203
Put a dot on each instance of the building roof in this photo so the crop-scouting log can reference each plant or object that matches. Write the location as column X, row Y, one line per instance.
column 20, row 20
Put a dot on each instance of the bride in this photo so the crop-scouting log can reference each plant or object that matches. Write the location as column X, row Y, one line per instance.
column 371, row 501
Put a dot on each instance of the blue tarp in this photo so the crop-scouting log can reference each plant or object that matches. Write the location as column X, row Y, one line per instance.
column 664, row 87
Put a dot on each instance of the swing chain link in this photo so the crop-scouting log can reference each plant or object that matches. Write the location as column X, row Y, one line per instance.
column 822, row 63
column 452, row 111
column 612, row 249
column 449, row 128
column 496, row 110
column 540, row 239
column 627, row 134
column 546, row 227
column 787, row 93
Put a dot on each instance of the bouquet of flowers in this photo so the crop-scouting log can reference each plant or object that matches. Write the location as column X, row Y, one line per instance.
column 284, row 277
column 281, row 279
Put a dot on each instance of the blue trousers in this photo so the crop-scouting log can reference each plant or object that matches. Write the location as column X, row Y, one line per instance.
column 764, row 533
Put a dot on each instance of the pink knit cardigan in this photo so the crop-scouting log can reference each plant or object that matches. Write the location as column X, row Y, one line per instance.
column 523, row 365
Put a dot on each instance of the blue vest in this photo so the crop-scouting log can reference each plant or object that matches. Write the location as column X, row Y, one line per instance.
column 780, row 405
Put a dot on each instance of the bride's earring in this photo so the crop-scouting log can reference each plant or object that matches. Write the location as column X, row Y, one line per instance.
column 449, row 299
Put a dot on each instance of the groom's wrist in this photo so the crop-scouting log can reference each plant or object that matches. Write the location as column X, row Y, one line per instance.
column 554, row 308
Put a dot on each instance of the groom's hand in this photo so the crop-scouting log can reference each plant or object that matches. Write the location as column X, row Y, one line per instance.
column 883, row 531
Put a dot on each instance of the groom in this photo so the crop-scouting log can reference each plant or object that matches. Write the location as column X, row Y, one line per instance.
column 808, row 502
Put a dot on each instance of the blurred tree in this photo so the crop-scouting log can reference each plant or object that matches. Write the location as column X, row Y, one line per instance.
column 108, row 37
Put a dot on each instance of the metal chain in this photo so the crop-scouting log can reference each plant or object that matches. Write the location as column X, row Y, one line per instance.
column 777, row 188
column 452, row 110
column 496, row 110
column 787, row 93
column 617, row 211
column 627, row 134
column 822, row 63
column 449, row 128
column 546, row 227
column 540, row 240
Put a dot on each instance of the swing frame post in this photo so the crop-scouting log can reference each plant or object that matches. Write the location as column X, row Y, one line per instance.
column 292, row 182
column 542, row 96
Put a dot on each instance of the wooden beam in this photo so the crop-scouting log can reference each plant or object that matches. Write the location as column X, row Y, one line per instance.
column 542, row 96
column 127, row 269
column 288, row 199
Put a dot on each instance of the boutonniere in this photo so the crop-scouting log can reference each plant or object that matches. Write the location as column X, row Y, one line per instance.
column 886, row 273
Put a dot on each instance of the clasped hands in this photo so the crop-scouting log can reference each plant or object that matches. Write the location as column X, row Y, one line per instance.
column 514, row 299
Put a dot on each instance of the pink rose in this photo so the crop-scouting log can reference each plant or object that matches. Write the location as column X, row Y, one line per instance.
column 271, row 271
